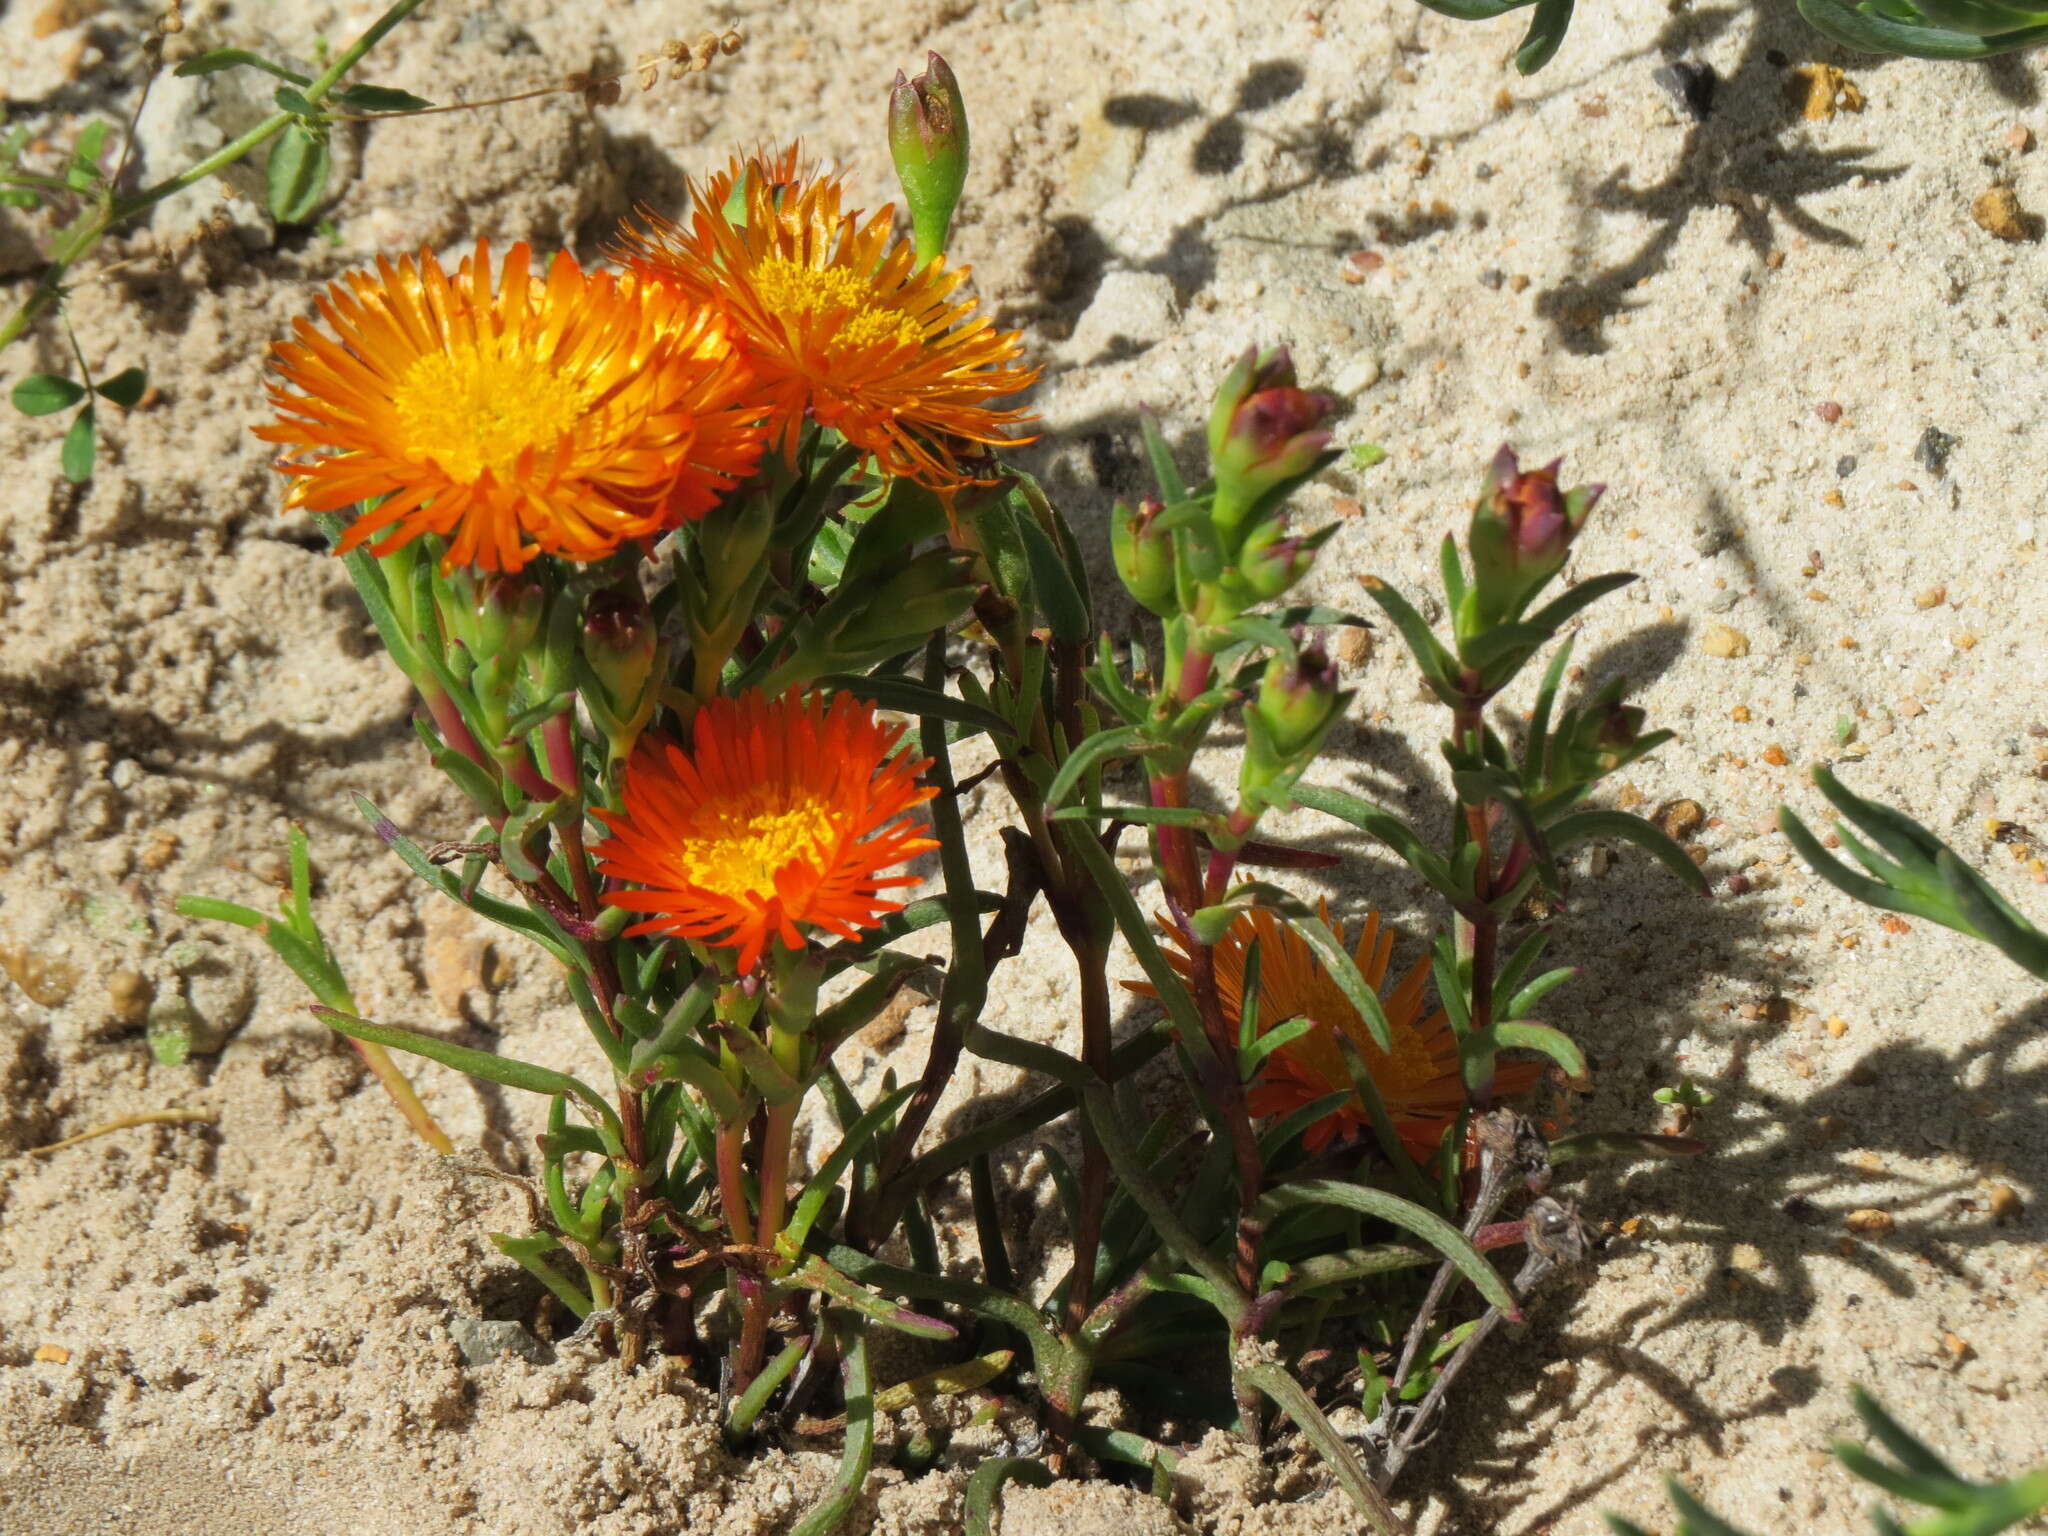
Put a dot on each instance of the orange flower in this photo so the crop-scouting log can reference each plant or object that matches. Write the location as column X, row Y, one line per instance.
column 846, row 329
column 1419, row 1081
column 562, row 416
column 784, row 812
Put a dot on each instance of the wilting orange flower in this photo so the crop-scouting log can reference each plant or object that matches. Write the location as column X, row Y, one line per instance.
column 560, row 416
column 1419, row 1081
column 782, row 814
column 846, row 328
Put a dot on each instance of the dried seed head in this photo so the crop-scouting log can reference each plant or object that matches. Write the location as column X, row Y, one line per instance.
column 172, row 20
column 732, row 42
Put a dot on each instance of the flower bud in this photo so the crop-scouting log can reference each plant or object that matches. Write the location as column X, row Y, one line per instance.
column 1296, row 705
column 495, row 616
column 928, row 141
column 1297, row 699
column 1522, row 528
column 1273, row 560
column 1604, row 737
column 1144, row 556
column 619, row 643
column 1264, row 431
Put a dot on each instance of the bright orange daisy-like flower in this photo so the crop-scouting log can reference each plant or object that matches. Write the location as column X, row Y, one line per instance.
column 783, row 814
column 843, row 324
column 1419, row 1081
column 562, row 415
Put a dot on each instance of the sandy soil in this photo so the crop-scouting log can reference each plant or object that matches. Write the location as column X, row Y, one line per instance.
column 245, row 1325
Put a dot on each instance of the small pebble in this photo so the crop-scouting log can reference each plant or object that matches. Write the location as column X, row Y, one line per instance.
column 1832, row 498
column 2019, row 138
column 1746, row 1256
column 1354, row 647
column 1957, row 1346
column 2005, row 1204
column 1775, row 756
column 1492, row 277
column 1931, row 597
column 1836, row 1026
column 1932, row 451
column 1720, row 640
column 53, row 1354
column 1740, row 714
column 1869, row 1220
column 1998, row 212
column 1518, row 282
column 130, row 994
column 1484, row 171
column 1845, row 466
column 1828, row 411
column 1680, row 819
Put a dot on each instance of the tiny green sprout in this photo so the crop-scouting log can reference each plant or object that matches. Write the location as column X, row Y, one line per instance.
column 1687, row 1093
column 1364, row 456
column 326, row 230
column 1845, row 730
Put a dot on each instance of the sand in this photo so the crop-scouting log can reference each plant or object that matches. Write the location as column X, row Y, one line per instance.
column 245, row 1325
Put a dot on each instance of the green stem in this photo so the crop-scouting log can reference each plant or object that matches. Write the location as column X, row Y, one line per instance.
column 75, row 244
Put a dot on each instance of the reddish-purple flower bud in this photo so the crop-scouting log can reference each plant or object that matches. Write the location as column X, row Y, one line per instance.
column 1522, row 527
column 1263, row 431
column 1540, row 518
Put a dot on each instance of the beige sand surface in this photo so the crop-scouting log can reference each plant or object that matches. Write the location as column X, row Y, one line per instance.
column 250, row 1319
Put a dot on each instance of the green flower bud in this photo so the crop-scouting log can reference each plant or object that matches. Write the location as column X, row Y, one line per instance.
column 1298, row 699
column 1522, row 528
column 928, row 141
column 619, row 642
column 492, row 614
column 1144, row 556
column 1273, row 560
column 1607, row 734
column 1296, row 705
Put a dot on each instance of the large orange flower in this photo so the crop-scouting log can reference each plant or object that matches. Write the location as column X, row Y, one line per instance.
column 846, row 327
column 1419, row 1080
column 782, row 815
column 560, row 416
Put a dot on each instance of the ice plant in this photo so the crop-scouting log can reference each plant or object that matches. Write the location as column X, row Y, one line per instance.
column 783, row 815
column 847, row 328
column 680, row 791
column 561, row 415
column 1418, row 1080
